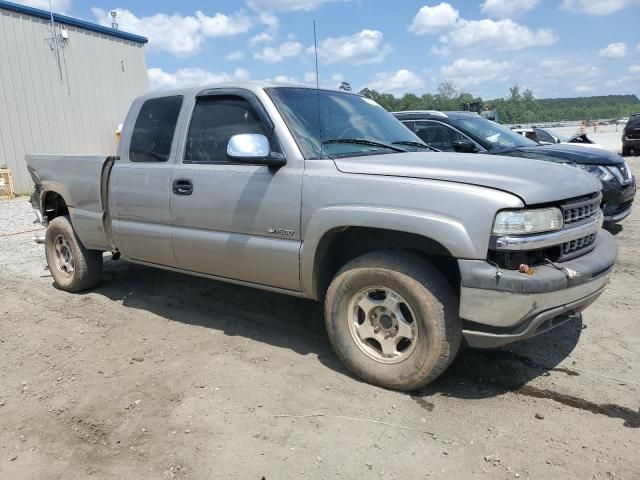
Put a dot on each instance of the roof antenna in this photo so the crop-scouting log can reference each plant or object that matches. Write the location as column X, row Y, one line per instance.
column 315, row 47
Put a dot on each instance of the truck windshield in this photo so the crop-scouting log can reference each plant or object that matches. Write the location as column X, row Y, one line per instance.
column 492, row 136
column 326, row 123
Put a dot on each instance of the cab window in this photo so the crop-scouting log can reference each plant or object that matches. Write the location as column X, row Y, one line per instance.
column 215, row 120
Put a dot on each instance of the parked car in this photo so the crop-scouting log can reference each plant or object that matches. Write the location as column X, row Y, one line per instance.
column 468, row 132
column 631, row 136
column 323, row 194
column 546, row 136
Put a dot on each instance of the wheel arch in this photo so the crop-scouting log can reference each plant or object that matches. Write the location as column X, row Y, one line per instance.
column 331, row 241
column 53, row 204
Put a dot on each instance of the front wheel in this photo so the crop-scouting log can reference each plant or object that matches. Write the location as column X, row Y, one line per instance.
column 393, row 320
column 73, row 267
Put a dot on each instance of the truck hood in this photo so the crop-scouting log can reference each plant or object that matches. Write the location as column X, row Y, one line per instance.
column 533, row 181
column 566, row 153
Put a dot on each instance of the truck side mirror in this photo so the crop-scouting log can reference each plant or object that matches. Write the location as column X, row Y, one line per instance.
column 464, row 146
column 253, row 149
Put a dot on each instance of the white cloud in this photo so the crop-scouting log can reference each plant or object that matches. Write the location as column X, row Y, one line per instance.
column 310, row 77
column 465, row 72
column 508, row 8
column 504, row 35
column 597, row 7
column 221, row 25
column 556, row 69
column 182, row 36
column 614, row 50
column 584, row 88
column 434, row 19
column 286, row 5
column 184, row 77
column 360, row 48
column 456, row 32
column 634, row 68
column 235, row 56
column 269, row 20
column 278, row 53
column 264, row 37
column 441, row 51
column 58, row 6
column 624, row 84
column 398, row 82
column 283, row 79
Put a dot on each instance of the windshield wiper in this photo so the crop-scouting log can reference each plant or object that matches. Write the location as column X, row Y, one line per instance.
column 363, row 141
column 411, row 143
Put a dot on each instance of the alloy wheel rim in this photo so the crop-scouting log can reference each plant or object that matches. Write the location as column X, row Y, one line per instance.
column 63, row 254
column 382, row 324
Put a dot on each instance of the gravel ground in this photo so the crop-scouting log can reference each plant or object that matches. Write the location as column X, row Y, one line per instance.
column 158, row 375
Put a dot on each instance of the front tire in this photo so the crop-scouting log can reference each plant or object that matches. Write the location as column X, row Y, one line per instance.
column 73, row 267
column 393, row 320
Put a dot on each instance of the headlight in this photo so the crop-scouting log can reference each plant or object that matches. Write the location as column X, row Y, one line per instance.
column 599, row 171
column 513, row 222
column 622, row 174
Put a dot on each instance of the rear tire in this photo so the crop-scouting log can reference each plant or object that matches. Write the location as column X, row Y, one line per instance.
column 73, row 267
column 626, row 151
column 393, row 320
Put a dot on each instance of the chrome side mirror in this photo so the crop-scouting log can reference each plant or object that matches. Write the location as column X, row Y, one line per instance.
column 254, row 149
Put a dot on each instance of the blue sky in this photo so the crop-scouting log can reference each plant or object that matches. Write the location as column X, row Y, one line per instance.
column 558, row 48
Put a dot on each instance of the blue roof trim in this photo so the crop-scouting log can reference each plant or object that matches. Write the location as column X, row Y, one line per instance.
column 36, row 12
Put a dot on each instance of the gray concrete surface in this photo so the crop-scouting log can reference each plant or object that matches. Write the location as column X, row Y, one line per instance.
column 157, row 375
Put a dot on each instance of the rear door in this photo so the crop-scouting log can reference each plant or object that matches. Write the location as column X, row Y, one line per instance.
column 140, row 182
column 232, row 220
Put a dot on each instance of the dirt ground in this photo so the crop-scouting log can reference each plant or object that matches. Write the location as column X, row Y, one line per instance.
column 155, row 375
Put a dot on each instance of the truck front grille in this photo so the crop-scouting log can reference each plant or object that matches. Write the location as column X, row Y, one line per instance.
column 578, row 211
column 575, row 248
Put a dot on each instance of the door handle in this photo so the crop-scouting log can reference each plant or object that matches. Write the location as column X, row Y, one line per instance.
column 182, row 186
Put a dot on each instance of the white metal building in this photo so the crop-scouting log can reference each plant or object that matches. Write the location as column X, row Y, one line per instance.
column 65, row 85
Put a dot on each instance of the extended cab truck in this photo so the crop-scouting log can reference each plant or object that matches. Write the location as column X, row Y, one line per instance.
column 324, row 195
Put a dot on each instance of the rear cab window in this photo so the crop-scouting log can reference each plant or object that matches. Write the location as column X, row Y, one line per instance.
column 154, row 129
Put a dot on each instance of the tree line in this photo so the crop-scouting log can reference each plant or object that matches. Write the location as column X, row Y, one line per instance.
column 519, row 106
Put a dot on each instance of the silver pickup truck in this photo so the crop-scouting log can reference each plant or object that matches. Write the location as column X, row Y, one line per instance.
column 324, row 195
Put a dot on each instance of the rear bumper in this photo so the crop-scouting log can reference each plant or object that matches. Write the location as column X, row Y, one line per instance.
column 498, row 310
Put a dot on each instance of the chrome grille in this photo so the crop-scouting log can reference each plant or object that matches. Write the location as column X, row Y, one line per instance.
column 580, row 210
column 577, row 244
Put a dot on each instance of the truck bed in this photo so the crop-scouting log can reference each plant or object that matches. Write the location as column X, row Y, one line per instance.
column 81, row 181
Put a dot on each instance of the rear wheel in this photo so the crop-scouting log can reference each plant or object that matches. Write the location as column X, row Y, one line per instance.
column 626, row 151
column 392, row 319
column 73, row 267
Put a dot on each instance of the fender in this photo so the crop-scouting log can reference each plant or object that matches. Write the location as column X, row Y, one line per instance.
column 450, row 233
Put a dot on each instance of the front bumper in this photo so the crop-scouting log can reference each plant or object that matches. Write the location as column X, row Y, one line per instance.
column 617, row 200
column 501, row 309
column 630, row 142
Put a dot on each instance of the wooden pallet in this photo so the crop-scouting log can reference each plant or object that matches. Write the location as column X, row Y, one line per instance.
column 6, row 184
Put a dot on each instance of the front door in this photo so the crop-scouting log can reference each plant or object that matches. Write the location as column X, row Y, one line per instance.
column 232, row 220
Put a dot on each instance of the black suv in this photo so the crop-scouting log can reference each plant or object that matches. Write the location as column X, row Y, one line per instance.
column 468, row 132
column 631, row 136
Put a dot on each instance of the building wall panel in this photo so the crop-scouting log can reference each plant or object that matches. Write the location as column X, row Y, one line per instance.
column 42, row 111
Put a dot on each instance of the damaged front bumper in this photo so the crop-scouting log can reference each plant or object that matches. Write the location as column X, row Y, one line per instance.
column 501, row 309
